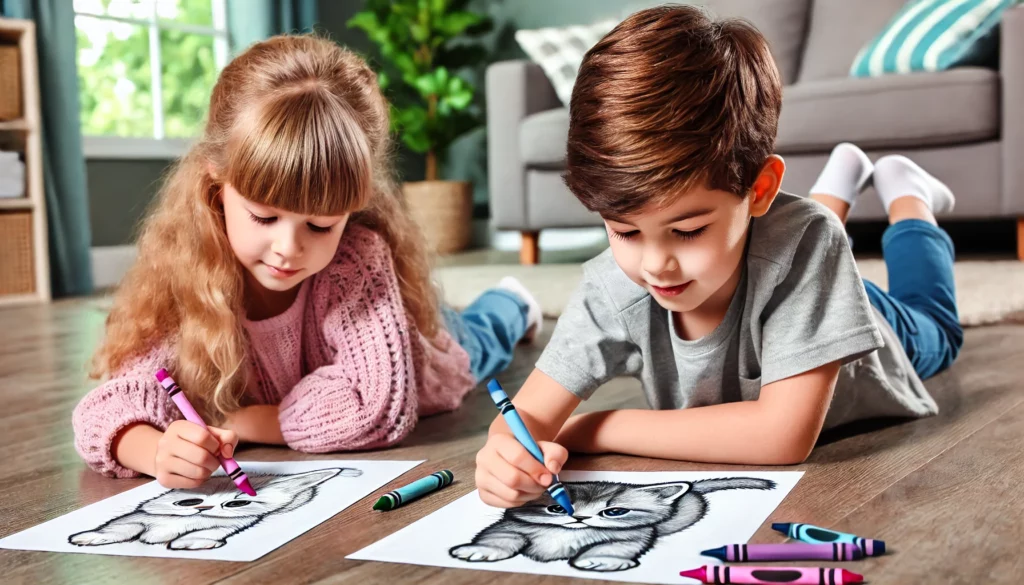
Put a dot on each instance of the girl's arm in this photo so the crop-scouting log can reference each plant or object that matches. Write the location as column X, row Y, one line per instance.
column 134, row 398
column 779, row 428
column 256, row 424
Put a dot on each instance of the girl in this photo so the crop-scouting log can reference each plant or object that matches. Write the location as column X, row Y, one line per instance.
column 282, row 283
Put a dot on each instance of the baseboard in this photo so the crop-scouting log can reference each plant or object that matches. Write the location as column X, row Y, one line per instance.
column 110, row 263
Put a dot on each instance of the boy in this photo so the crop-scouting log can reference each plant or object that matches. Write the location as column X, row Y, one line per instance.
column 740, row 308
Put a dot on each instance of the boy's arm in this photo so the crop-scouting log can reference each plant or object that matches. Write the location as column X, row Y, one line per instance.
column 779, row 428
column 543, row 404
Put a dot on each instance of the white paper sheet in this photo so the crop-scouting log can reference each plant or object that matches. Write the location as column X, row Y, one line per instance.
column 216, row 521
column 662, row 528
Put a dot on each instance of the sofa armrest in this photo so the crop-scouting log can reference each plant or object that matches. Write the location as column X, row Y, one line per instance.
column 514, row 90
column 1011, row 72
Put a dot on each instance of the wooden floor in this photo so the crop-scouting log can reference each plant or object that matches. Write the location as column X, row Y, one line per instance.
column 945, row 493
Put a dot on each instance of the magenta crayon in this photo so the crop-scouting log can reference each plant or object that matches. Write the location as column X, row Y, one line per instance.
column 818, row 535
column 773, row 575
column 230, row 466
column 790, row 551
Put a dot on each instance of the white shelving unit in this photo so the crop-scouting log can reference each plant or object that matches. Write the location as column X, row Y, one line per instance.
column 23, row 135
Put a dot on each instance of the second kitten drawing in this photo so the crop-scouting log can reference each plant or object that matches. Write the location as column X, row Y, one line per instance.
column 614, row 524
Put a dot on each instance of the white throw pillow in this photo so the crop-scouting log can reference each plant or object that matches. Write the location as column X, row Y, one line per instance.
column 559, row 51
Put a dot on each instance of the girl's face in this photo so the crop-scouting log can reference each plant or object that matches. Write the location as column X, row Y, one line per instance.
column 279, row 249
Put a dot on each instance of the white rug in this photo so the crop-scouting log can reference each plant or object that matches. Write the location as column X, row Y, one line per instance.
column 988, row 291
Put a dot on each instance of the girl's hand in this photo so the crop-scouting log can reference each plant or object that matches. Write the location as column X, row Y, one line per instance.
column 186, row 454
column 508, row 476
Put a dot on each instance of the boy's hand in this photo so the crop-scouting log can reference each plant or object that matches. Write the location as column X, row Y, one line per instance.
column 508, row 476
column 186, row 453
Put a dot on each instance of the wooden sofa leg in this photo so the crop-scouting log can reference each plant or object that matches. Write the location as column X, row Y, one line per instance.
column 1020, row 239
column 529, row 253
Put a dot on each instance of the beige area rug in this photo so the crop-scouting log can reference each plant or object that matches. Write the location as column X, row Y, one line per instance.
column 988, row 291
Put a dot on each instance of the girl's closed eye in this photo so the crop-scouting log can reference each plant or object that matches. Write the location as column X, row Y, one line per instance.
column 625, row 235
column 262, row 220
column 320, row 229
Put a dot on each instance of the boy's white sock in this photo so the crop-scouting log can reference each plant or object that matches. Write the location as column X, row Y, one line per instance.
column 845, row 174
column 534, row 317
column 897, row 176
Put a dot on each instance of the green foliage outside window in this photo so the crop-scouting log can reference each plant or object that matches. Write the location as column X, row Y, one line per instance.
column 114, row 75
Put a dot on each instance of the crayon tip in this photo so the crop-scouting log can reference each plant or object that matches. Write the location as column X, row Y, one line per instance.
column 782, row 527
column 719, row 553
column 381, row 504
column 700, row 573
column 878, row 549
column 851, row 577
column 493, row 385
column 161, row 375
column 246, row 487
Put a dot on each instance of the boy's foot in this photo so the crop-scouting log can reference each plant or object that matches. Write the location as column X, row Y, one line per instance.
column 534, row 317
column 846, row 173
column 897, row 176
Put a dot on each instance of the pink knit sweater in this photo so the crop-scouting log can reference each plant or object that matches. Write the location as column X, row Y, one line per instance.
column 345, row 363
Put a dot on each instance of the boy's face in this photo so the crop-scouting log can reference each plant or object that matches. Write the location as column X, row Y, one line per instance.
column 686, row 252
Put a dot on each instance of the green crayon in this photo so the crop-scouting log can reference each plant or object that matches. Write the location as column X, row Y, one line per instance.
column 416, row 489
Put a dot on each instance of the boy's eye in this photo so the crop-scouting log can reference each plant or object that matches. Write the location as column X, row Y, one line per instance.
column 625, row 235
column 262, row 220
column 319, row 229
column 690, row 234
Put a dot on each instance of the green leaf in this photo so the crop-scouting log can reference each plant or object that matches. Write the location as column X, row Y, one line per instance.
column 452, row 24
column 383, row 80
column 420, row 33
column 438, row 8
column 460, row 100
column 366, row 21
column 427, row 84
column 416, row 141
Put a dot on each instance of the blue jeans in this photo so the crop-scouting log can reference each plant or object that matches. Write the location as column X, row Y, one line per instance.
column 921, row 302
column 488, row 330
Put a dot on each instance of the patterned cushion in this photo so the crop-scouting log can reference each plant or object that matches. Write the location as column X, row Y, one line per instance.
column 933, row 35
column 559, row 51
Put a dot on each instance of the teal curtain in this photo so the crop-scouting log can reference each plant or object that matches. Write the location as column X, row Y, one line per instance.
column 254, row 20
column 67, row 199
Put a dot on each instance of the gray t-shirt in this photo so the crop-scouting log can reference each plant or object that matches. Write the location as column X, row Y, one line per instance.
column 800, row 304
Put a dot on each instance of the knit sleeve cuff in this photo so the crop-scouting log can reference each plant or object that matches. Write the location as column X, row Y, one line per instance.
column 108, row 410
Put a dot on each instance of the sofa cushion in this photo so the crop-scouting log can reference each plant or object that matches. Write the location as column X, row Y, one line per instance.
column 896, row 111
column 837, row 31
column 782, row 22
column 933, row 35
column 542, row 138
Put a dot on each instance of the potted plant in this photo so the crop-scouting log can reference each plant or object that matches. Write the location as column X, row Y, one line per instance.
column 423, row 45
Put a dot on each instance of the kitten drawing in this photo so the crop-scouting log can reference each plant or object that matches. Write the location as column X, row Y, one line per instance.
column 205, row 517
column 614, row 524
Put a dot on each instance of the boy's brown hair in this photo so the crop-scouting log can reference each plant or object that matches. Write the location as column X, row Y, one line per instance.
column 668, row 100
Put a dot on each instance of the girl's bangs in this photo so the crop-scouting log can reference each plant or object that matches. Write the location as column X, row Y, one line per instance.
column 302, row 151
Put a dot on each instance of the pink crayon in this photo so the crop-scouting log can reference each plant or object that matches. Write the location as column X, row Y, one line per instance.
column 790, row 551
column 773, row 575
column 230, row 466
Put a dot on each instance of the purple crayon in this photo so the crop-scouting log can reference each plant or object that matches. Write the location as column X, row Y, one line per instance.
column 794, row 551
column 230, row 466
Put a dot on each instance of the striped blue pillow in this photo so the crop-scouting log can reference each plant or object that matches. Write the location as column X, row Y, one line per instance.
column 933, row 35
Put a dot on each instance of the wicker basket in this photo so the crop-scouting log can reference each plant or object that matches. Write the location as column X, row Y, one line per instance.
column 10, row 83
column 17, row 275
column 444, row 211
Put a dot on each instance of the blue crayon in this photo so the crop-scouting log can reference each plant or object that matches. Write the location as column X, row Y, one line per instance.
column 416, row 489
column 501, row 400
column 819, row 535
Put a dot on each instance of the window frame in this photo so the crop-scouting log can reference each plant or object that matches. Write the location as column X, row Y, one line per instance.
column 157, row 147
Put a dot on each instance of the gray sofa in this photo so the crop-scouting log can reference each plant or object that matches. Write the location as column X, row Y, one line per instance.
column 966, row 125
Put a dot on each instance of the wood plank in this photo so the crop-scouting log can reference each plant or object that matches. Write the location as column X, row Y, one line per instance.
column 958, row 519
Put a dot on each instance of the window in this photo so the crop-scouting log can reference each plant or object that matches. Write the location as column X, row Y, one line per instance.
column 145, row 72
